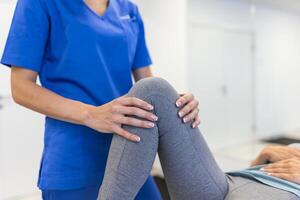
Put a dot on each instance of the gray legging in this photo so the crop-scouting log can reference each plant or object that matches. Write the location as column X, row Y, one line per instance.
column 190, row 169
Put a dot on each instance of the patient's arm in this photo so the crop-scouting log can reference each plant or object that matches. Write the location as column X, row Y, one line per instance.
column 288, row 169
column 276, row 153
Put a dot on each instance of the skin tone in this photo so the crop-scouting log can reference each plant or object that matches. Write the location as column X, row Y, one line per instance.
column 189, row 111
column 285, row 162
column 107, row 118
column 98, row 6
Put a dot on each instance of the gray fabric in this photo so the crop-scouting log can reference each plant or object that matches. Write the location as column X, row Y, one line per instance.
column 188, row 165
column 189, row 174
column 246, row 189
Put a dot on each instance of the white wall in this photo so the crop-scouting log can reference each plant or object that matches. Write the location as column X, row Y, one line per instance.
column 21, row 138
column 165, row 23
column 21, row 130
column 278, row 70
column 277, row 49
column 6, row 10
column 220, row 69
column 227, row 13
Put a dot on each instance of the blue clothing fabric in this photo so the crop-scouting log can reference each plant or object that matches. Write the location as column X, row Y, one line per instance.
column 89, row 193
column 148, row 192
column 83, row 56
column 255, row 173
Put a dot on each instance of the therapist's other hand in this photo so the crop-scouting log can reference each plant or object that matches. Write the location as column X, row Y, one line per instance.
column 189, row 111
column 110, row 117
column 286, row 169
column 275, row 153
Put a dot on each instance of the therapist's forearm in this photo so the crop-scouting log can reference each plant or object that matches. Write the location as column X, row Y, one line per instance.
column 28, row 94
column 48, row 103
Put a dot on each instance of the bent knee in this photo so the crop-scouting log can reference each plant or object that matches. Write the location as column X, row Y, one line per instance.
column 152, row 85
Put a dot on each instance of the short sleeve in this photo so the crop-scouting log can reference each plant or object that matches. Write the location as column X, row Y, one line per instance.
column 27, row 38
column 142, row 57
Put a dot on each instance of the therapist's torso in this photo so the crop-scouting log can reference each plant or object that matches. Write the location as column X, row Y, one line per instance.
column 82, row 56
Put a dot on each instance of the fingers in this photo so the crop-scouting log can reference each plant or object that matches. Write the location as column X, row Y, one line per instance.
column 133, row 101
column 288, row 162
column 264, row 157
column 282, row 166
column 184, row 98
column 277, row 166
column 261, row 159
column 276, row 170
column 134, row 111
column 192, row 105
column 118, row 130
column 287, row 169
column 191, row 116
column 133, row 122
column 256, row 162
column 196, row 122
column 190, row 111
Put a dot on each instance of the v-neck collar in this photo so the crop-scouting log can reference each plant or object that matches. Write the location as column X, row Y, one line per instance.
column 105, row 14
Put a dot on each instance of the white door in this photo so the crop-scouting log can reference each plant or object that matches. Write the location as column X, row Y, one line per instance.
column 219, row 70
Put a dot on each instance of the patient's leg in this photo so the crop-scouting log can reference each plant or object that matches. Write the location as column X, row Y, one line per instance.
column 188, row 165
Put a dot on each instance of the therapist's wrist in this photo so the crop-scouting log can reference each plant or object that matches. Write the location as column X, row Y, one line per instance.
column 85, row 114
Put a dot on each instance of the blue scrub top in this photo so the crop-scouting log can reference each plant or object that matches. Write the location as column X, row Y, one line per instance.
column 82, row 56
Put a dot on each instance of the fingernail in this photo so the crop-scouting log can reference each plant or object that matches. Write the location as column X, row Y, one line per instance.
column 262, row 169
column 178, row 104
column 184, row 120
column 193, row 126
column 155, row 118
column 151, row 124
column 150, row 107
column 180, row 114
column 270, row 174
column 137, row 139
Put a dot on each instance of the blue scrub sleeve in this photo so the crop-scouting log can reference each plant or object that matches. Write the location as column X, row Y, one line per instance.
column 142, row 57
column 27, row 37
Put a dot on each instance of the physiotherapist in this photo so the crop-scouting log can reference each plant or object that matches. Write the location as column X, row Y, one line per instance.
column 84, row 53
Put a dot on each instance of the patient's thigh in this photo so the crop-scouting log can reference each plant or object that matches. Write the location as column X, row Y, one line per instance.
column 246, row 189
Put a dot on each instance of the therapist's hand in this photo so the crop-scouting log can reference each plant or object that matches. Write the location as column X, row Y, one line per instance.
column 189, row 109
column 275, row 153
column 286, row 169
column 110, row 117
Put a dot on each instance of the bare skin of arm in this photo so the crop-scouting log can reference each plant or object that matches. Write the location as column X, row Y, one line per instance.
column 27, row 93
column 107, row 118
